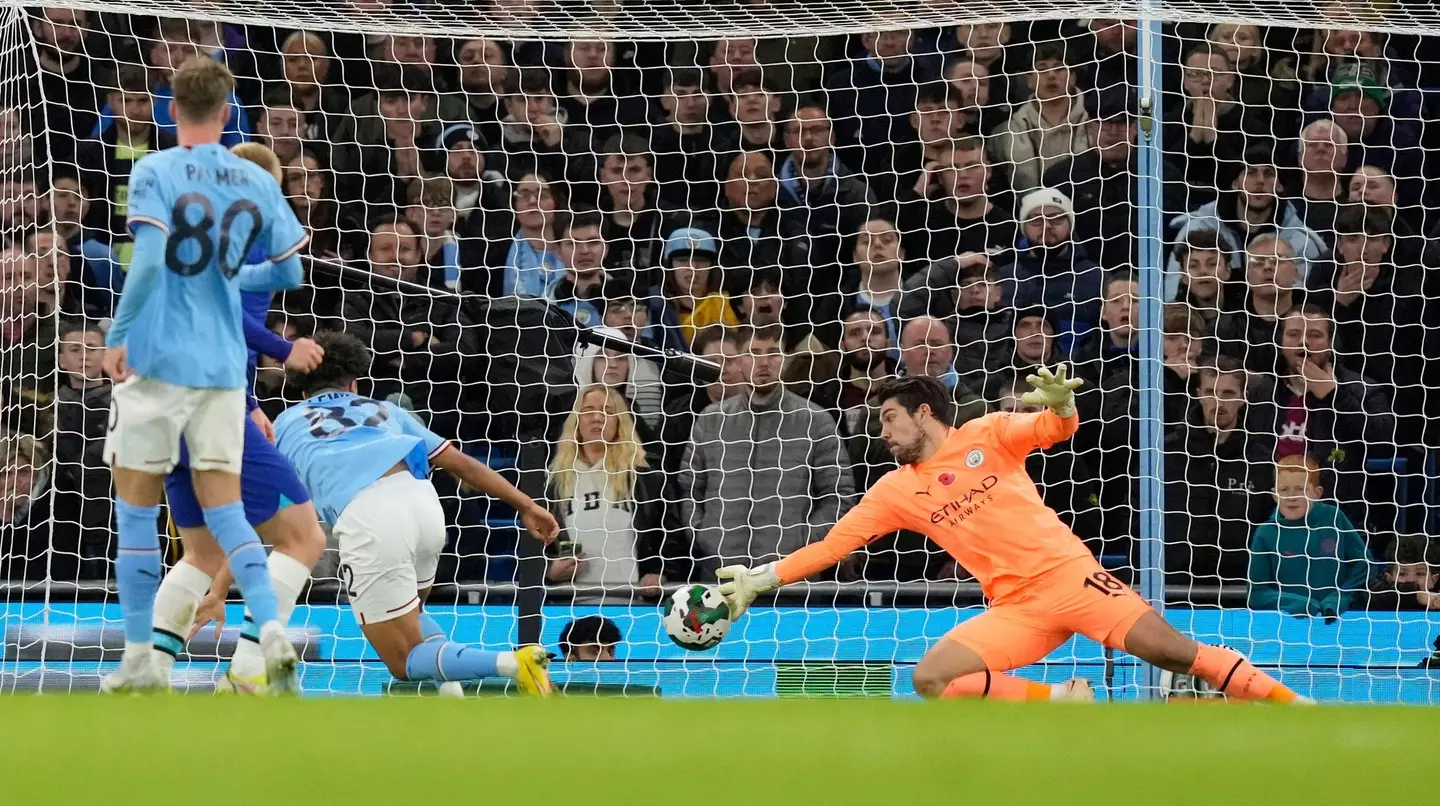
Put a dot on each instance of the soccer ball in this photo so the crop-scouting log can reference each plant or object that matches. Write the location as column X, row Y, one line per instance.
column 697, row 618
column 1179, row 686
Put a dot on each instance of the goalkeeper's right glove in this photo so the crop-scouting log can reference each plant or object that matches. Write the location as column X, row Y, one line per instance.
column 745, row 584
column 1053, row 390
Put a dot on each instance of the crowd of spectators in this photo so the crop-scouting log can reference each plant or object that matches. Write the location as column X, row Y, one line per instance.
column 810, row 215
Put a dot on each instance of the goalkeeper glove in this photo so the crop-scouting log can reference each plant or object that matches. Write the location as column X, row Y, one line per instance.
column 745, row 584
column 1053, row 390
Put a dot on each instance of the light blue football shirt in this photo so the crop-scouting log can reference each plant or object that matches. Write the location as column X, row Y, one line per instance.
column 186, row 326
column 341, row 443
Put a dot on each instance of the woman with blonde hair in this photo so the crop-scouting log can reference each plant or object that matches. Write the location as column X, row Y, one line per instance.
column 608, row 501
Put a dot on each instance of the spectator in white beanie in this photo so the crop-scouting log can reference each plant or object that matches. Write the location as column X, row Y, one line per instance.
column 1051, row 270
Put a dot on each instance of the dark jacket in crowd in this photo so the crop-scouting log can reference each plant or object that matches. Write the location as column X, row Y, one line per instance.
column 1216, row 493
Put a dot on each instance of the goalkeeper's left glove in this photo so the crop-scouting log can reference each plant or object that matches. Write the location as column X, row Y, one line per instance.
column 1053, row 390
column 745, row 584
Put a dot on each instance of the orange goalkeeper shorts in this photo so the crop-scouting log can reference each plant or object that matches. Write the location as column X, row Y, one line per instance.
column 1076, row 597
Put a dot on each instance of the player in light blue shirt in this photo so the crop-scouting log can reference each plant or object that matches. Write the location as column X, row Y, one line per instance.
column 366, row 463
column 177, row 354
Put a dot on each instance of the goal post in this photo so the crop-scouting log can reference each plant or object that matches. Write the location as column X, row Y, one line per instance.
column 714, row 225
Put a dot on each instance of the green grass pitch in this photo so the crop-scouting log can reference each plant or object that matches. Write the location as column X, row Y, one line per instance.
column 212, row 750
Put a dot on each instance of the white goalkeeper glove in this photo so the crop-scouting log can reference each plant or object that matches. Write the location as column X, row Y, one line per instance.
column 745, row 584
column 1053, row 390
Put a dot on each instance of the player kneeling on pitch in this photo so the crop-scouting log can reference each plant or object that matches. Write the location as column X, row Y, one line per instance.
column 366, row 464
column 967, row 489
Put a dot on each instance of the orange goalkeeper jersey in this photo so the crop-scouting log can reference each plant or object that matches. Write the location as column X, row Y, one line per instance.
column 973, row 498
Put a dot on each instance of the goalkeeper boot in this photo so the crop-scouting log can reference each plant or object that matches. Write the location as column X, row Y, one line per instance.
column 137, row 675
column 1077, row 689
column 281, row 662
column 235, row 683
column 533, row 670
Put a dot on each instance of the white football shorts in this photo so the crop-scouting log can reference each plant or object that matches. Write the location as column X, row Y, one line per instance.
column 390, row 536
column 148, row 417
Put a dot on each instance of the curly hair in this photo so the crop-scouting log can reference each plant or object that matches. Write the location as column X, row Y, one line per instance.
column 346, row 359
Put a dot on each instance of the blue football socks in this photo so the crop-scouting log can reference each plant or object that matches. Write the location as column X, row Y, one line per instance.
column 137, row 568
column 247, row 559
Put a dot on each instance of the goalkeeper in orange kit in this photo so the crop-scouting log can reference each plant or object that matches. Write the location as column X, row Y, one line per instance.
column 967, row 489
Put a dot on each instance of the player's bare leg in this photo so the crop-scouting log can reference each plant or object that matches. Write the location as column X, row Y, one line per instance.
column 413, row 647
column 137, row 574
column 219, row 495
column 952, row 670
column 1153, row 640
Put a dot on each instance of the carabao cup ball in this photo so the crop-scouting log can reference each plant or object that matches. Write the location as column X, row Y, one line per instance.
column 697, row 618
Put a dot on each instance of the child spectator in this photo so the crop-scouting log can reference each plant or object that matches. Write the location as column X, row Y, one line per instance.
column 1412, row 579
column 82, row 411
column 1308, row 560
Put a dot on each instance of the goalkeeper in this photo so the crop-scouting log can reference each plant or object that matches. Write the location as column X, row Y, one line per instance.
column 968, row 490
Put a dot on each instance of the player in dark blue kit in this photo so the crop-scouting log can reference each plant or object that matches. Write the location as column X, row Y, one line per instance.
column 276, row 504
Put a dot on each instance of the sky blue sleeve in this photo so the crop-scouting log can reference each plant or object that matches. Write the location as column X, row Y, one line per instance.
column 147, row 203
column 278, row 276
column 146, row 264
column 413, row 427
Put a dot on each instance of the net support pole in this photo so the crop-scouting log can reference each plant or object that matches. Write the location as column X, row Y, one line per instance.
column 1151, row 577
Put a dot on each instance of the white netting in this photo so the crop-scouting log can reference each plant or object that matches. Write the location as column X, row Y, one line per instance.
column 958, row 196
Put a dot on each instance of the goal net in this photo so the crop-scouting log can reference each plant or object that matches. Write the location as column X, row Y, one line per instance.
column 646, row 260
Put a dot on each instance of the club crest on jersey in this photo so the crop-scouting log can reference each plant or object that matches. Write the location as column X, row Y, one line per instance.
column 946, row 479
column 974, row 458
